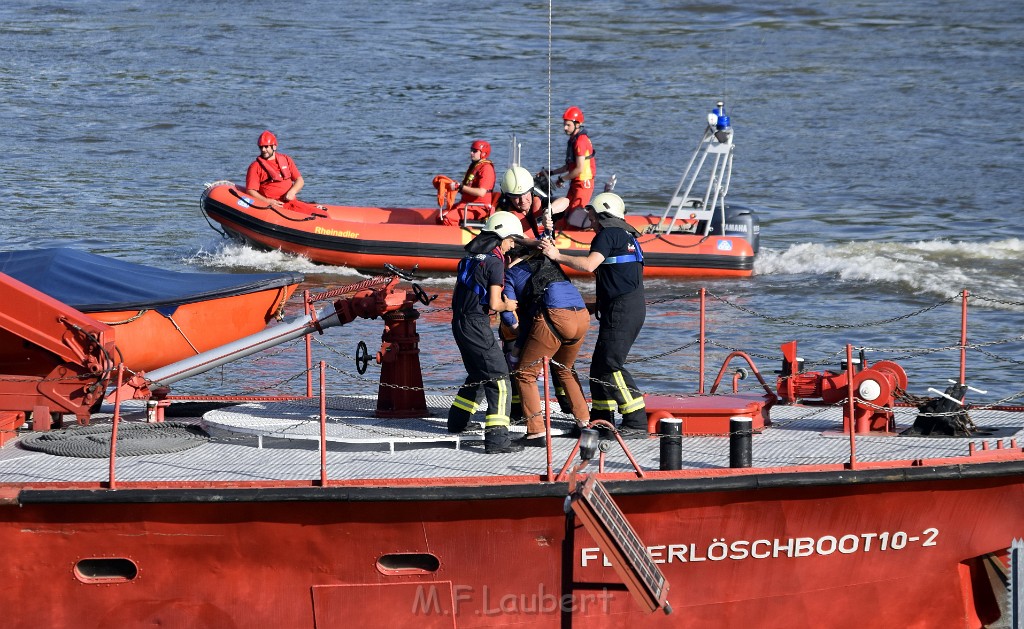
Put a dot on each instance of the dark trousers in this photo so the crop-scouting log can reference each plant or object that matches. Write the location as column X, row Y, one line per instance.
column 487, row 376
column 611, row 385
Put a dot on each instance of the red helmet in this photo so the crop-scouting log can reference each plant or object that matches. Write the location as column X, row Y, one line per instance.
column 483, row 147
column 266, row 139
column 573, row 113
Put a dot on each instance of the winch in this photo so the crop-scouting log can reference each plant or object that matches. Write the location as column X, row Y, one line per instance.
column 874, row 389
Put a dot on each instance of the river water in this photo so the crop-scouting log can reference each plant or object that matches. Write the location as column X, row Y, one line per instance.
column 882, row 139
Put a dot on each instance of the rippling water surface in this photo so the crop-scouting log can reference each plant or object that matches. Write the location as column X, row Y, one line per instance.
column 883, row 141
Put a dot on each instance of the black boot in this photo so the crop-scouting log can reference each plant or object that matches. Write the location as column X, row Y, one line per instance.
column 497, row 441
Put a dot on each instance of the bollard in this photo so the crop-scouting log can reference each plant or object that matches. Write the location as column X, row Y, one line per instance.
column 741, row 435
column 671, row 429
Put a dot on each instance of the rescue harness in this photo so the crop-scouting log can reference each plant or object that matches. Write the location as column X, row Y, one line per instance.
column 636, row 256
column 467, row 272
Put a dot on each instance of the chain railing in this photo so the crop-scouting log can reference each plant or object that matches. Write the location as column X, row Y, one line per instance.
column 814, row 413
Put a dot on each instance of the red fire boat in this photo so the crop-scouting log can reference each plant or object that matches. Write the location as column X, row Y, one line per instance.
column 819, row 501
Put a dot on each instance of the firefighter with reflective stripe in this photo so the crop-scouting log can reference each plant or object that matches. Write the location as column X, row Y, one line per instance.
column 617, row 261
column 478, row 293
column 580, row 168
column 273, row 179
column 554, row 322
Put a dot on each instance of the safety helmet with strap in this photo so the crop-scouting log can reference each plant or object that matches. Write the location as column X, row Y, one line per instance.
column 266, row 139
column 504, row 224
column 609, row 203
column 516, row 181
column 573, row 113
column 482, row 146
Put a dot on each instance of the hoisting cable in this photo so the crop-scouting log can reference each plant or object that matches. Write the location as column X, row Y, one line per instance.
column 547, row 210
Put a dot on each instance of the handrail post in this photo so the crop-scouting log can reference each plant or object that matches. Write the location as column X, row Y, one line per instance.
column 309, row 348
column 963, row 338
column 111, row 480
column 323, row 424
column 700, row 369
column 547, row 413
column 850, row 406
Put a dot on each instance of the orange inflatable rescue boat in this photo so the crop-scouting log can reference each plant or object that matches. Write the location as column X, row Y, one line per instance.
column 697, row 235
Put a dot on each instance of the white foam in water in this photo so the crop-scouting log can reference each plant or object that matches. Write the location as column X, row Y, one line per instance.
column 935, row 267
column 233, row 255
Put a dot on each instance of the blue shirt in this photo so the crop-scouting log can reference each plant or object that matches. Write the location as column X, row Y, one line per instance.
column 558, row 294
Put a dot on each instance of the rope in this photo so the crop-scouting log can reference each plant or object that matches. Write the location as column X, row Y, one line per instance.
column 133, row 439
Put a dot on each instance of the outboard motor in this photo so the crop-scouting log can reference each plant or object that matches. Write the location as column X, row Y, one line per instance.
column 742, row 222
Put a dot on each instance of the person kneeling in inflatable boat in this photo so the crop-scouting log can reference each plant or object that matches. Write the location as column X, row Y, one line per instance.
column 476, row 188
column 274, row 180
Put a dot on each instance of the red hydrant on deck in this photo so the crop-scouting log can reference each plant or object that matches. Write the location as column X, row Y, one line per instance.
column 400, row 393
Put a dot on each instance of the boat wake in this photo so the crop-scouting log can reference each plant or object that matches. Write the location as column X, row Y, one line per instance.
column 233, row 255
column 933, row 267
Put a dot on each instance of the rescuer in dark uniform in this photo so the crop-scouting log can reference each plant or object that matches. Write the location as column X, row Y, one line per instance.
column 478, row 293
column 617, row 261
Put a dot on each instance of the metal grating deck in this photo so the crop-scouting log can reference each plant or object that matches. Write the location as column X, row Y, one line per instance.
column 279, row 441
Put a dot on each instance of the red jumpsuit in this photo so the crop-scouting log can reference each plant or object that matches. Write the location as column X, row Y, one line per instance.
column 273, row 177
column 582, row 187
column 480, row 174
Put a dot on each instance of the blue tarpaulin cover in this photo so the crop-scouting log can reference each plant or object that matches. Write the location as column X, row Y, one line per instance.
column 94, row 283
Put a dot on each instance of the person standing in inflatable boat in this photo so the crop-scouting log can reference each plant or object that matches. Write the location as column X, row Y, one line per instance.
column 580, row 170
column 478, row 293
column 618, row 262
column 273, row 179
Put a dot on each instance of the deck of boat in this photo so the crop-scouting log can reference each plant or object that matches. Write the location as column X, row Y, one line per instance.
column 279, row 441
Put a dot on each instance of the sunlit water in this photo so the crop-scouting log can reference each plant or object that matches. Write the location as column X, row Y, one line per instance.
column 881, row 140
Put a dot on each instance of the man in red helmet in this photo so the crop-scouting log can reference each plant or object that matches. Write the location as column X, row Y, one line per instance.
column 475, row 187
column 579, row 170
column 273, row 179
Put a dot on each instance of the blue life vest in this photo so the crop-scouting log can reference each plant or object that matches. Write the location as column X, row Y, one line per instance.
column 467, row 272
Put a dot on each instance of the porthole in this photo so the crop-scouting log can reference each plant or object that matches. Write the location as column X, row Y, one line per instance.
column 106, row 570
column 395, row 564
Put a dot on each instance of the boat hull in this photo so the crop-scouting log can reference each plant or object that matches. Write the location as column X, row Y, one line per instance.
column 367, row 238
column 149, row 340
column 159, row 317
column 877, row 548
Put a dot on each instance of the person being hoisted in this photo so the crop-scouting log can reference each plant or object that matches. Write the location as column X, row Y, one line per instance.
column 520, row 196
column 475, row 187
column 580, row 170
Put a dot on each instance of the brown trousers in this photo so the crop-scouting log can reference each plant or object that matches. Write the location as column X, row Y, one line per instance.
column 571, row 326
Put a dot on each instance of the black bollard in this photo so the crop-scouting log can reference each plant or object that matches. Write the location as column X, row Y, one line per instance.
column 671, row 430
column 741, row 436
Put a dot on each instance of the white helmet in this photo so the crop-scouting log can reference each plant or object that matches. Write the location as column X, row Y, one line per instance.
column 516, row 180
column 609, row 203
column 504, row 224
